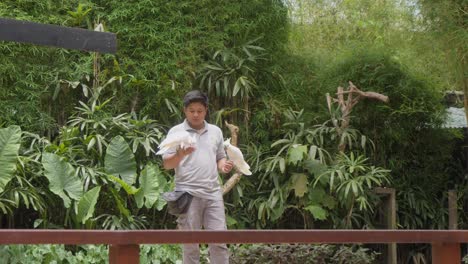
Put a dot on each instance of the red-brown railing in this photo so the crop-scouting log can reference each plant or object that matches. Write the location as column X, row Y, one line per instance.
column 124, row 245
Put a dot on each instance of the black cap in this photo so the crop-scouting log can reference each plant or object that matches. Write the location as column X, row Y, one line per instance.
column 195, row 96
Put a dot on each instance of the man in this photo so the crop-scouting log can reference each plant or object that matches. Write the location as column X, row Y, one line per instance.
column 196, row 172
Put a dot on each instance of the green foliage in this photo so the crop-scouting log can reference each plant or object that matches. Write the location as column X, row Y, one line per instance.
column 87, row 204
column 122, row 221
column 351, row 180
column 405, row 131
column 305, row 173
column 230, row 78
column 152, row 183
column 148, row 43
column 9, row 145
column 159, row 50
column 70, row 104
column 235, row 78
column 146, row 76
column 120, row 161
column 322, row 30
column 158, row 254
column 62, row 178
column 301, row 254
column 38, row 254
column 80, row 14
column 79, row 172
column 20, row 193
column 447, row 22
column 28, row 73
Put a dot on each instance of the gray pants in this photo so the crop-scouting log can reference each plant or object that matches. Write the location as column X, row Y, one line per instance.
column 210, row 215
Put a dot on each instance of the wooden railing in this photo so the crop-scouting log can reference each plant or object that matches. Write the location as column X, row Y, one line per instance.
column 124, row 245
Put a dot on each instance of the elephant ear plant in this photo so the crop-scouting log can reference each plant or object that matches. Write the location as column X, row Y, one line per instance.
column 9, row 146
column 17, row 189
column 10, row 138
column 98, row 171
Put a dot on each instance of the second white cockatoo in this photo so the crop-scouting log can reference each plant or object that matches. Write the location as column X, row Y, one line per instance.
column 235, row 155
column 179, row 139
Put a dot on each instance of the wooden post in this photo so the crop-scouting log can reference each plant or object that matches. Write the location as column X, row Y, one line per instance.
column 124, row 254
column 452, row 209
column 390, row 220
column 444, row 253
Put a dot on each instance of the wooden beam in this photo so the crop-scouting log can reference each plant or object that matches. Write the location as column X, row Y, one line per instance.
column 57, row 36
column 444, row 253
column 332, row 236
column 125, row 244
column 124, row 254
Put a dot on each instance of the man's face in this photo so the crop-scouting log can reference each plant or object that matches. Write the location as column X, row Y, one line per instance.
column 195, row 113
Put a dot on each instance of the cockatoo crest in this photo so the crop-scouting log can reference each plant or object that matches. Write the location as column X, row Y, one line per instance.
column 235, row 155
column 180, row 139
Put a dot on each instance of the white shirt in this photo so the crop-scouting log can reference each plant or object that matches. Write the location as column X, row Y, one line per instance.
column 197, row 173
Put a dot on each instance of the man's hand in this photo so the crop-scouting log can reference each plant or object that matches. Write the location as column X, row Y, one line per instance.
column 226, row 166
column 173, row 160
column 184, row 152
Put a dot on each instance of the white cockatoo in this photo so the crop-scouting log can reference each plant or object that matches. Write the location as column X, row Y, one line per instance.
column 179, row 139
column 235, row 155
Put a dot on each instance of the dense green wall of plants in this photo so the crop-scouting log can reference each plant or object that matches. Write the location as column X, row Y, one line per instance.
column 73, row 116
column 265, row 71
column 162, row 44
column 29, row 74
column 70, row 103
column 405, row 132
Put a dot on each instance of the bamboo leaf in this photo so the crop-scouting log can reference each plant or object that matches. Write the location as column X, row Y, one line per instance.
column 237, row 87
column 282, row 165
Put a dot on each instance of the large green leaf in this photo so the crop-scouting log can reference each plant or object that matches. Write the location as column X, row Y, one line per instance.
column 299, row 183
column 152, row 183
column 87, row 204
column 296, row 154
column 318, row 196
column 317, row 212
column 9, row 145
column 62, row 178
column 120, row 160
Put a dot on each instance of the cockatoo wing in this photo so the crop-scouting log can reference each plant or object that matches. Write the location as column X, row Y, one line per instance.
column 235, row 155
column 173, row 140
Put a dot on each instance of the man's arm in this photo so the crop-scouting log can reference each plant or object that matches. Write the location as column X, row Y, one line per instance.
column 172, row 160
